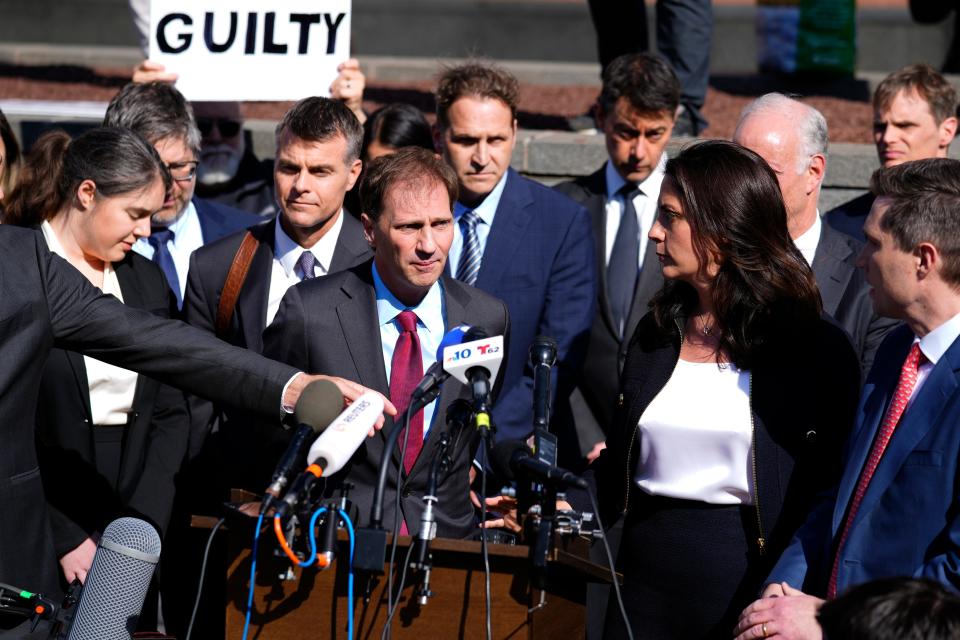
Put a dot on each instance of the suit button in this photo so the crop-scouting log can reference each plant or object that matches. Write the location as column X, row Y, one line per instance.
column 620, row 400
column 811, row 436
column 406, row 493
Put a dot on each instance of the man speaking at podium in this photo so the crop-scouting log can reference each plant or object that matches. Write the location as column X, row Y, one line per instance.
column 380, row 324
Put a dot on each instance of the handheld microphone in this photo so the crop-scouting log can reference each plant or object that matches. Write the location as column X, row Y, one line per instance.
column 475, row 363
column 319, row 403
column 543, row 355
column 335, row 446
column 435, row 376
column 116, row 586
column 511, row 458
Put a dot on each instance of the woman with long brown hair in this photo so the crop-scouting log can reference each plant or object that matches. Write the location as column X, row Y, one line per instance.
column 736, row 398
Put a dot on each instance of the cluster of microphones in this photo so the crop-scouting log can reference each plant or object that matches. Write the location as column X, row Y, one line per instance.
column 129, row 549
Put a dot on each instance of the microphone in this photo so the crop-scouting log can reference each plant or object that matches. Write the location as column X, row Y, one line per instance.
column 543, row 355
column 319, row 403
column 335, row 446
column 512, row 457
column 435, row 376
column 475, row 363
column 117, row 584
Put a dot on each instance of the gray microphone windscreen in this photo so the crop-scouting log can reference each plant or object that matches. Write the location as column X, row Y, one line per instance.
column 117, row 583
column 319, row 403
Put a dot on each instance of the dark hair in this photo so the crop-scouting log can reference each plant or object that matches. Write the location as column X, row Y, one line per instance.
column 410, row 169
column 11, row 161
column 397, row 125
column 479, row 80
column 732, row 201
column 319, row 119
column 893, row 609
column 645, row 80
column 155, row 110
column 925, row 203
column 929, row 84
column 117, row 160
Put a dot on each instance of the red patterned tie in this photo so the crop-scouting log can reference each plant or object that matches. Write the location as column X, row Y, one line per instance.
column 406, row 369
column 908, row 380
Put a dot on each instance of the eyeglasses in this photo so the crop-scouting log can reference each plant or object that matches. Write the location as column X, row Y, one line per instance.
column 227, row 127
column 182, row 171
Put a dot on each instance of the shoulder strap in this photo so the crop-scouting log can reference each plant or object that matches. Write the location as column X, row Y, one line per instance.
column 234, row 282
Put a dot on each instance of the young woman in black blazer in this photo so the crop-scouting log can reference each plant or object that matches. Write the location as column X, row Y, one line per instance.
column 109, row 441
column 735, row 400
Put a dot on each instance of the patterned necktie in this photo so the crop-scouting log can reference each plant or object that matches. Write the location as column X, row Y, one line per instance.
column 305, row 263
column 470, row 255
column 161, row 255
column 624, row 260
column 905, row 386
column 406, row 370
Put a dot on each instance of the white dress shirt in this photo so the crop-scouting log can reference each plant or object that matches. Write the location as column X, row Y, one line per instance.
column 430, row 329
column 933, row 346
column 644, row 203
column 111, row 388
column 809, row 239
column 486, row 211
column 696, row 436
column 286, row 253
column 187, row 238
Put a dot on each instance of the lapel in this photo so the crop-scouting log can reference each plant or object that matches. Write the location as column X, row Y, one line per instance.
column 596, row 203
column 250, row 313
column 514, row 213
column 648, row 283
column 361, row 330
column 873, row 404
column 920, row 417
column 351, row 246
column 831, row 269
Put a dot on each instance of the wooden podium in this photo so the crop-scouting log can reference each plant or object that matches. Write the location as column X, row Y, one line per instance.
column 293, row 603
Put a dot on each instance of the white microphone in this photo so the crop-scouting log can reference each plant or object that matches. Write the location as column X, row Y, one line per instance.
column 461, row 360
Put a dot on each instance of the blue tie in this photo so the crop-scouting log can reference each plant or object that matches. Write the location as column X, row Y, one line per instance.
column 161, row 255
column 624, row 260
column 305, row 263
column 469, row 265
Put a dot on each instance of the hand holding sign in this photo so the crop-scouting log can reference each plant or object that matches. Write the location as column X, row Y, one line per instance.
column 245, row 50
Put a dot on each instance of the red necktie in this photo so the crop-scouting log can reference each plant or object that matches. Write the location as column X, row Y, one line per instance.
column 406, row 369
column 908, row 380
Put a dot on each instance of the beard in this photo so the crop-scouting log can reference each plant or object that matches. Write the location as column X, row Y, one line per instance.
column 218, row 164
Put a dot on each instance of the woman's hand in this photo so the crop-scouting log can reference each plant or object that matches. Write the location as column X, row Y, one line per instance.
column 77, row 562
column 348, row 87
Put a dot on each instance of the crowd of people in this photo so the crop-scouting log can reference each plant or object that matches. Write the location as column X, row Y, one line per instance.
column 763, row 394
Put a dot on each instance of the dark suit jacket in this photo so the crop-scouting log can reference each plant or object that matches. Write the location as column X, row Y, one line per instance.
column 594, row 400
column 849, row 217
column 846, row 294
column 907, row 523
column 540, row 261
column 330, row 325
column 81, row 500
column 46, row 303
column 798, row 443
column 218, row 220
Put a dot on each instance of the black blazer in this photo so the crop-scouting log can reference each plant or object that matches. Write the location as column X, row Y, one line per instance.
column 80, row 500
column 593, row 401
column 330, row 325
column 804, row 392
column 846, row 294
column 46, row 303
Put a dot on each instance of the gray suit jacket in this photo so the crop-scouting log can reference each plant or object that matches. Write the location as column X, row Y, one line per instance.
column 846, row 294
column 330, row 325
column 594, row 400
column 44, row 302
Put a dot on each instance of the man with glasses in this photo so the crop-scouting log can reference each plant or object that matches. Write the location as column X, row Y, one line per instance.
column 161, row 114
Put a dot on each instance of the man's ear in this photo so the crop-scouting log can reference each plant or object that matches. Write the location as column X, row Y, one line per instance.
column 437, row 136
column 816, row 172
column 928, row 258
column 599, row 115
column 948, row 129
column 355, row 168
column 368, row 225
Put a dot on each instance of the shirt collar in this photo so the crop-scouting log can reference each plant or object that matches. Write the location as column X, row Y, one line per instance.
column 288, row 252
column 487, row 209
column 809, row 239
column 649, row 186
column 935, row 344
column 180, row 224
column 429, row 311
column 55, row 246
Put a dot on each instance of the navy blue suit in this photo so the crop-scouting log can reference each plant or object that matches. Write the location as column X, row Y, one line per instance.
column 218, row 220
column 539, row 259
column 907, row 523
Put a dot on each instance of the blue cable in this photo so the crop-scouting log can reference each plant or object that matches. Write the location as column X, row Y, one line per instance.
column 253, row 575
column 349, row 526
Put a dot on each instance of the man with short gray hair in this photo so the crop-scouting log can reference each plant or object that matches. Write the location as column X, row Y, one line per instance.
column 792, row 137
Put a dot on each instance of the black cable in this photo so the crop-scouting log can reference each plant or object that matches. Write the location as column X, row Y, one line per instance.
column 613, row 570
column 403, row 580
column 203, row 572
column 483, row 538
column 391, row 605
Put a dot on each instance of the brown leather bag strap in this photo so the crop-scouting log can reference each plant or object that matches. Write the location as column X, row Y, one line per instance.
column 234, row 282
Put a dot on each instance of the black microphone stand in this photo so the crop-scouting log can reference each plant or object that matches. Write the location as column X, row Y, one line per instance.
column 423, row 560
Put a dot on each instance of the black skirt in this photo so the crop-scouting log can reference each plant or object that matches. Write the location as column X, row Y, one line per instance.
column 689, row 569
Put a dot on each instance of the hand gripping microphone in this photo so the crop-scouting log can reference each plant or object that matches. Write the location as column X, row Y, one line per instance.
column 319, row 403
column 475, row 363
column 511, row 458
column 335, row 446
column 117, row 584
